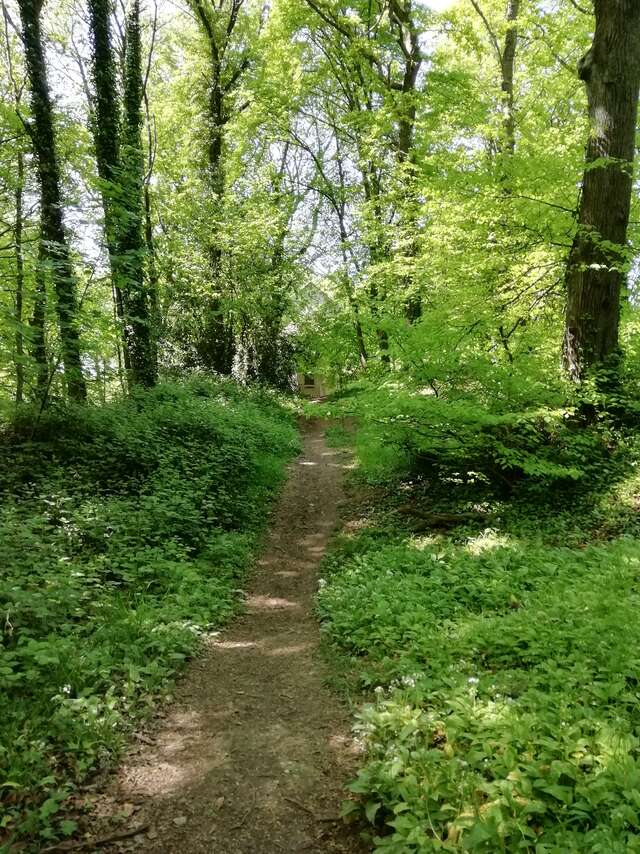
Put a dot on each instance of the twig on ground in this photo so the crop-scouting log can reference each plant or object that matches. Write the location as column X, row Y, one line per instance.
column 300, row 806
column 96, row 842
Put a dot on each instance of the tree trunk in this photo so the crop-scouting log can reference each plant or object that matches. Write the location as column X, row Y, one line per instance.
column 19, row 297
column 507, row 68
column 598, row 257
column 506, row 56
column 138, row 328
column 379, row 252
column 106, row 127
column 54, row 239
column 219, row 346
column 339, row 205
column 152, row 273
column 218, row 23
column 409, row 43
column 149, row 240
column 38, row 336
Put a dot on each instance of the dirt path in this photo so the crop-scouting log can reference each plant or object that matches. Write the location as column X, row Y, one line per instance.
column 253, row 756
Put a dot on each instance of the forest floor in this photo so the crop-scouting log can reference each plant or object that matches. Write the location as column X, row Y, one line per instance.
column 252, row 756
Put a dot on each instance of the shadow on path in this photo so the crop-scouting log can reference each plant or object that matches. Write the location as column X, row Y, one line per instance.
column 253, row 756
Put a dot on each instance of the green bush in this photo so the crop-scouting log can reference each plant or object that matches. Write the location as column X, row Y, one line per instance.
column 501, row 659
column 506, row 440
column 124, row 533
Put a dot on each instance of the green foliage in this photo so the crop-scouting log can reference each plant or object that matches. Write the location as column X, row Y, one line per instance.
column 507, row 431
column 503, row 664
column 125, row 531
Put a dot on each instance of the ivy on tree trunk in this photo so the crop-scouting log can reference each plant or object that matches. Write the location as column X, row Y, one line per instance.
column 138, row 327
column 55, row 246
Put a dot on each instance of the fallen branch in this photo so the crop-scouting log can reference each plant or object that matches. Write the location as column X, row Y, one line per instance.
column 97, row 842
column 300, row 806
column 331, row 818
column 442, row 520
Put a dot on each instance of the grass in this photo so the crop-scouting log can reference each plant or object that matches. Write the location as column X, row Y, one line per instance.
column 500, row 666
column 125, row 532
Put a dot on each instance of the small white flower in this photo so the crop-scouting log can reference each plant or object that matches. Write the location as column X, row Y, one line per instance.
column 473, row 680
column 378, row 690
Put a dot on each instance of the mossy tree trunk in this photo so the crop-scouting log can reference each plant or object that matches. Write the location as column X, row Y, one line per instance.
column 54, row 240
column 118, row 143
column 138, row 326
column 106, row 126
column 218, row 22
column 19, row 293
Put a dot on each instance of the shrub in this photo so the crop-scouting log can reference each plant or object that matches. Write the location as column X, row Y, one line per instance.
column 500, row 659
column 506, row 713
column 124, row 533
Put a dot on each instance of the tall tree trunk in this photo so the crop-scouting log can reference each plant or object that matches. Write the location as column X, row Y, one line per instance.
column 219, row 345
column 409, row 43
column 379, row 252
column 348, row 287
column 149, row 241
column 598, row 258
column 54, row 238
column 218, row 22
column 506, row 56
column 106, row 127
column 132, row 247
column 38, row 347
column 507, row 69
column 19, row 297
column 152, row 274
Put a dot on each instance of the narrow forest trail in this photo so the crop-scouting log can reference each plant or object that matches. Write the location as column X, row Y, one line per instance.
column 253, row 756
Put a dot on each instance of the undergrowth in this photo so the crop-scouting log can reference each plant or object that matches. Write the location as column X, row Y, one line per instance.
column 125, row 531
column 500, row 657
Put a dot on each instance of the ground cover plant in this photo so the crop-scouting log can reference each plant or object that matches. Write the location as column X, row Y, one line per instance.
column 125, row 531
column 499, row 651
column 419, row 203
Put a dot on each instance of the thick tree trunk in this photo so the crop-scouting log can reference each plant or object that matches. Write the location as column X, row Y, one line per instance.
column 106, row 127
column 53, row 235
column 401, row 13
column 598, row 259
column 138, row 327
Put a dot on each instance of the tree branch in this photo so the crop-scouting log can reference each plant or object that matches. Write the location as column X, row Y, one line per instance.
column 487, row 26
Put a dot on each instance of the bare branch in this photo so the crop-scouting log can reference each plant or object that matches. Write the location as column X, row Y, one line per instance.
column 580, row 8
column 487, row 26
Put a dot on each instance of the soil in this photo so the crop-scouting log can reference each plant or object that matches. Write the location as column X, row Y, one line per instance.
column 253, row 756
